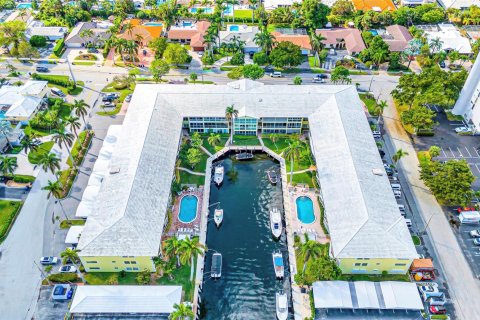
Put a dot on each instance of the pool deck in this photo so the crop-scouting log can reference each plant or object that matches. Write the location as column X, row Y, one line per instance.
column 313, row 230
column 177, row 225
column 300, row 301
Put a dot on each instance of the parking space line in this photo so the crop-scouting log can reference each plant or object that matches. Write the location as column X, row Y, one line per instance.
column 444, row 154
column 476, row 166
column 461, row 155
column 469, row 154
column 478, row 154
column 453, row 154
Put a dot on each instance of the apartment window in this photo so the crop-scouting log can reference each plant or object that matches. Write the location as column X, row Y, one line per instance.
column 95, row 268
column 91, row 261
column 114, row 261
column 129, row 269
column 357, row 264
column 400, row 264
column 364, row 264
column 135, row 269
column 126, row 262
column 133, row 262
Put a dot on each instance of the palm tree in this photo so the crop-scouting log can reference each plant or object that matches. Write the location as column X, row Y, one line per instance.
column 265, row 40
column 73, row 124
column 181, row 312
column 70, row 255
column 310, row 249
column 64, row 138
column 131, row 48
column 49, row 161
column 172, row 248
column 8, row 165
column 435, row 44
column 5, row 130
column 230, row 114
column 274, row 137
column 317, row 44
column 86, row 34
column 292, row 152
column 128, row 29
column 28, row 144
column 80, row 108
column 214, row 139
column 55, row 189
column 191, row 247
column 379, row 109
column 139, row 39
column 399, row 155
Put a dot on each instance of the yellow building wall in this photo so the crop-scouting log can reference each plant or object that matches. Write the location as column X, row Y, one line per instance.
column 117, row 264
column 374, row 266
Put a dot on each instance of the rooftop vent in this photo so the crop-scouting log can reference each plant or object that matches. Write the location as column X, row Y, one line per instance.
column 114, row 169
column 378, row 172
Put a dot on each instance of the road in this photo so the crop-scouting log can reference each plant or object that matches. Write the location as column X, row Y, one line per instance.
column 13, row 193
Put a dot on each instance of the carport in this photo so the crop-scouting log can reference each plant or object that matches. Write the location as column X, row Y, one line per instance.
column 366, row 295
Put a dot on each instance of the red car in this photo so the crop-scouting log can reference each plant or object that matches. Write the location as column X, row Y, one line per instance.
column 438, row 310
column 460, row 209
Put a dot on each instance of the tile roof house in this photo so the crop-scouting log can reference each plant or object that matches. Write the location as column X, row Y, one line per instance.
column 21, row 103
column 146, row 32
column 375, row 5
column 190, row 33
column 75, row 39
column 343, row 38
column 295, row 36
column 397, row 37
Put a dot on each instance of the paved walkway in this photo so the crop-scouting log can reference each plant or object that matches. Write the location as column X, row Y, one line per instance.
column 464, row 288
column 191, row 172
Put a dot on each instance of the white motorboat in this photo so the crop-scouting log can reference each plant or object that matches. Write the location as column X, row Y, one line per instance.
column 276, row 222
column 216, row 270
column 281, row 305
column 218, row 217
column 278, row 264
column 218, row 175
column 272, row 177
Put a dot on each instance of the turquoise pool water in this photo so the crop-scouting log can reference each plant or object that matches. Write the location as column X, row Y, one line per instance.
column 204, row 10
column 154, row 24
column 24, row 5
column 188, row 209
column 2, row 114
column 234, row 28
column 373, row 32
column 228, row 10
column 305, row 210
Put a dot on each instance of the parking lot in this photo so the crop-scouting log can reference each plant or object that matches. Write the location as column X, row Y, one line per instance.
column 470, row 250
column 49, row 309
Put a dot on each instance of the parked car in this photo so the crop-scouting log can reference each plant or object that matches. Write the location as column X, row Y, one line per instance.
column 377, row 134
column 268, row 69
column 67, row 268
column 276, row 74
column 397, row 194
column 128, row 98
column 389, row 171
column 462, row 130
column 108, row 103
column 92, row 50
column 460, row 209
column 476, row 241
column 475, row 233
column 442, row 64
column 382, row 153
column 437, row 301
column 62, row 292
column 318, row 79
column 437, row 310
column 429, row 291
column 48, row 260
column 41, row 69
column 58, row 92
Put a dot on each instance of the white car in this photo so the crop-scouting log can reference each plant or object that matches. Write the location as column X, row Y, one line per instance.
column 48, row 260
column 276, row 74
column 475, row 233
column 462, row 130
column 69, row 268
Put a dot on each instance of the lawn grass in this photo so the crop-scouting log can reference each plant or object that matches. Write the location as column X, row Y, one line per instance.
column 375, row 277
column 245, row 140
column 86, row 56
column 214, row 149
column 44, row 148
column 181, row 276
column 65, row 224
column 110, row 278
column 369, row 101
column 303, row 178
column 8, row 213
column 243, row 14
column 416, row 240
column 453, row 117
column 187, row 178
column 279, row 145
column 401, row 108
column 83, row 63
column 53, row 77
column 15, row 150
column 29, row 131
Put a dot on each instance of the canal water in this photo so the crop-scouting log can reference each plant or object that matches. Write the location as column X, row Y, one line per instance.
column 247, row 287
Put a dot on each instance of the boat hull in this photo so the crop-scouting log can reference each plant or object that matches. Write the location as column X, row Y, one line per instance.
column 278, row 265
column 218, row 217
column 282, row 314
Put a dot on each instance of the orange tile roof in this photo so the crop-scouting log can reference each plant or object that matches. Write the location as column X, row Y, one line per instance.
column 299, row 39
column 366, row 5
column 148, row 33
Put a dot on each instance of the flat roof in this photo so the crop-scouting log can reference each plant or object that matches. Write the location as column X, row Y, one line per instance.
column 388, row 295
column 362, row 213
column 125, row 299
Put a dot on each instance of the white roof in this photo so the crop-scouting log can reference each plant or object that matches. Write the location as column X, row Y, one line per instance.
column 47, row 31
column 96, row 179
column 273, row 4
column 84, row 209
column 388, row 295
column 459, row 4
column 451, row 38
column 130, row 208
column 73, row 234
column 245, row 33
column 125, row 299
column 22, row 100
column 90, row 193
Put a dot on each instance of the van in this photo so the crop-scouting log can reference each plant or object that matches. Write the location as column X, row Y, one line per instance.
column 396, row 186
column 469, row 217
column 57, row 92
column 397, row 194
column 408, row 222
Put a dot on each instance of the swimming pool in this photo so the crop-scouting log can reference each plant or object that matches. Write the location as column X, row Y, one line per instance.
column 373, row 32
column 153, row 24
column 204, row 10
column 234, row 28
column 24, row 5
column 305, row 210
column 228, row 10
column 188, row 209
column 187, row 23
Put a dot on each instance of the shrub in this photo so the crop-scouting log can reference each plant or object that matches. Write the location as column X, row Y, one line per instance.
column 38, row 41
column 260, row 58
column 238, row 59
column 208, row 59
column 144, row 277
column 63, row 277
column 59, row 48
column 23, row 179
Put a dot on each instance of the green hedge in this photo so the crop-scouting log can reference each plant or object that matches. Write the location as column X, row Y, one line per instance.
column 63, row 277
column 63, row 81
column 59, row 48
column 23, row 178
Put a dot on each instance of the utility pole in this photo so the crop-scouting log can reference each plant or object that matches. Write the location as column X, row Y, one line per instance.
column 71, row 72
column 43, row 273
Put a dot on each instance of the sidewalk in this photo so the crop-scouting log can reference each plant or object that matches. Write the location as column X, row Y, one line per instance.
column 464, row 288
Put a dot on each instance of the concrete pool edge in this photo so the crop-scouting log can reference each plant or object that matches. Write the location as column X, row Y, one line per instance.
column 180, row 208
column 301, row 309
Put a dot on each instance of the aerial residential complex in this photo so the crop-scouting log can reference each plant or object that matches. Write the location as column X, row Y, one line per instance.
column 368, row 235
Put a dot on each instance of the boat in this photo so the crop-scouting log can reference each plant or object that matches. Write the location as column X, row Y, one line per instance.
column 276, row 222
column 218, row 217
column 281, row 305
column 278, row 264
column 244, row 156
column 216, row 270
column 272, row 176
column 218, row 175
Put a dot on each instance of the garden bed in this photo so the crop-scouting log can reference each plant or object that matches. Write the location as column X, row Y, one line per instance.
column 65, row 224
column 35, row 155
column 111, row 278
column 8, row 213
column 80, row 148
column 66, row 178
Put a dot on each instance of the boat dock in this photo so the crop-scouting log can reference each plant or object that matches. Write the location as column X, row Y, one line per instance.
column 301, row 302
